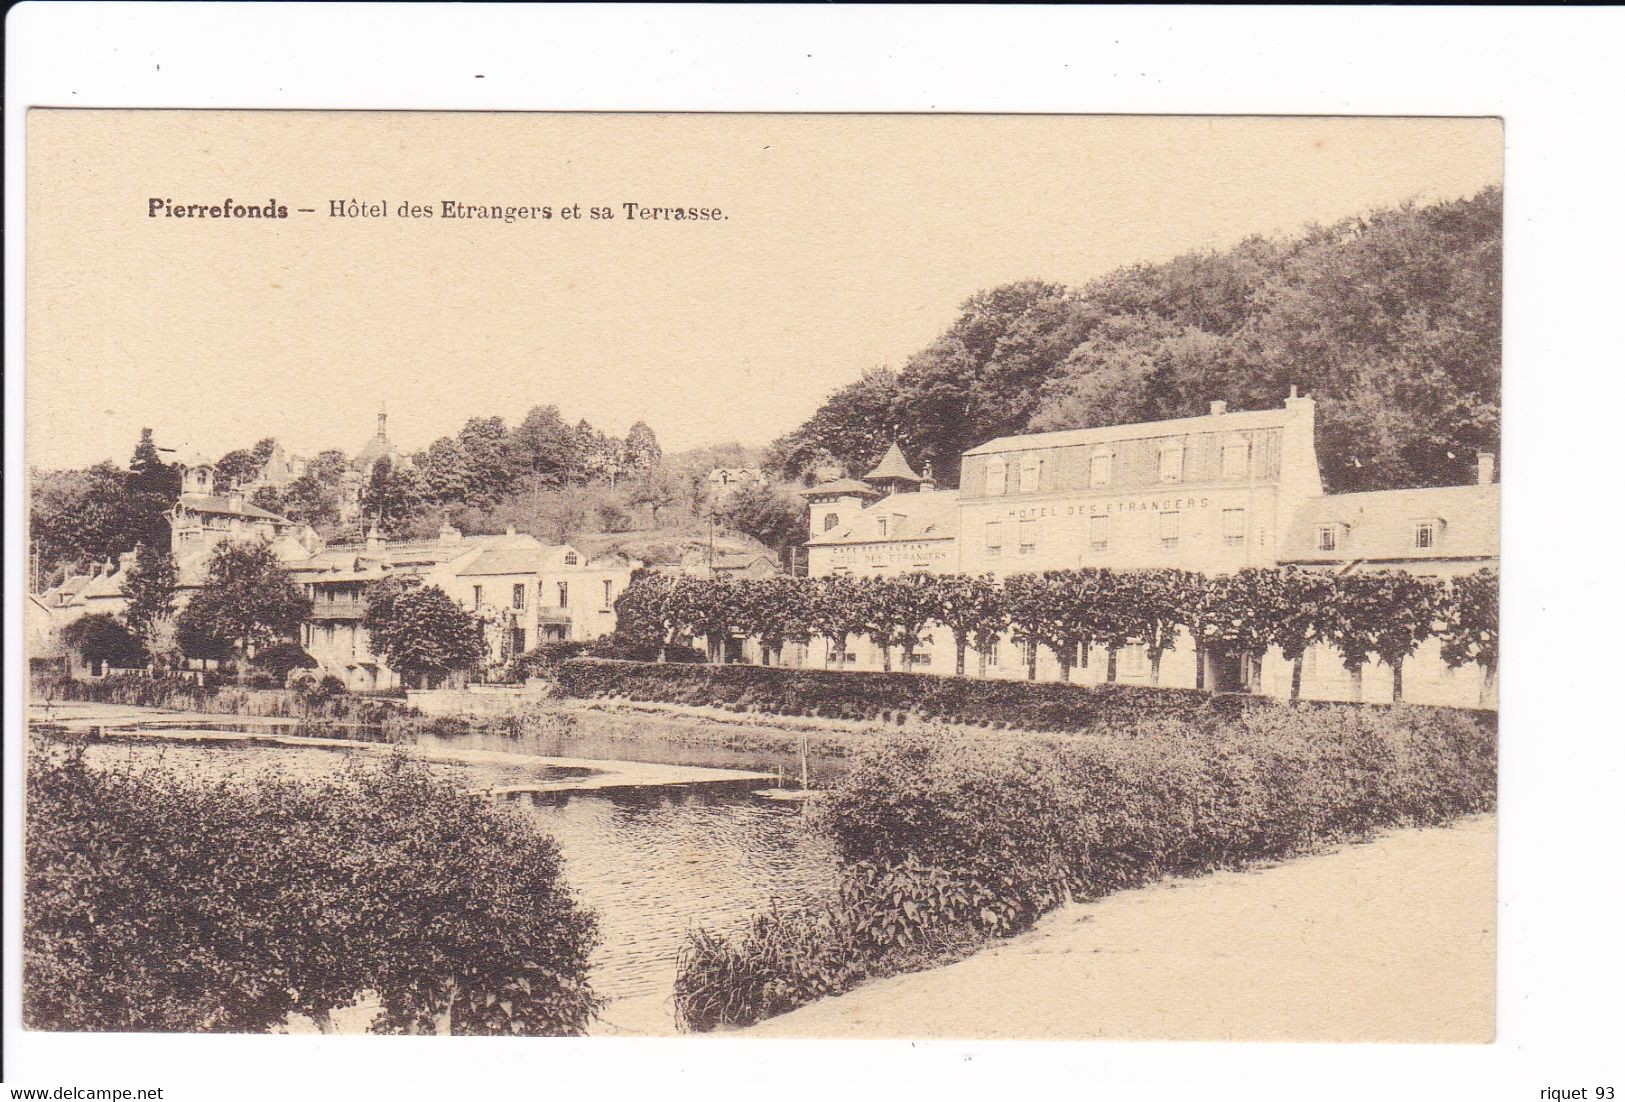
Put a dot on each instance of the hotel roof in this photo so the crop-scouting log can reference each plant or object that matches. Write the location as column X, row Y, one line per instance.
column 927, row 515
column 1179, row 426
column 1380, row 526
column 841, row 486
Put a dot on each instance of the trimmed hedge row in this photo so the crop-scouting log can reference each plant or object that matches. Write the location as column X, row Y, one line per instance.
column 1023, row 705
column 947, row 840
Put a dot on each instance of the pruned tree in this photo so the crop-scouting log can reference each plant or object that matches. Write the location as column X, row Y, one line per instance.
column 1471, row 628
column 972, row 608
column 1238, row 615
column 1303, row 617
column 837, row 613
column 774, row 610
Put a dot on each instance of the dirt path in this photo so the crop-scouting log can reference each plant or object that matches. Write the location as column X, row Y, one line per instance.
column 1390, row 941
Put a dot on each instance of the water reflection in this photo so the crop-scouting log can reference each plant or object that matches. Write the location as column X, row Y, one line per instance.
column 655, row 862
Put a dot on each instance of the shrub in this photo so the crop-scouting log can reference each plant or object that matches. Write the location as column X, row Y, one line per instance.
column 896, row 697
column 946, row 839
column 280, row 659
column 546, row 656
column 301, row 896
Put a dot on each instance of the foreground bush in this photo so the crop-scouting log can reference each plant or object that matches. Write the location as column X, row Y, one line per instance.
column 1025, row 705
column 157, row 902
column 946, row 840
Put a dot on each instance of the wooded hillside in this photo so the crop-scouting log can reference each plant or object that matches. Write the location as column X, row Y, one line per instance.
column 1390, row 320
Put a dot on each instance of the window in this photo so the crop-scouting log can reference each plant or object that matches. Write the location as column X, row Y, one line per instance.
column 995, row 536
column 1168, row 524
column 1100, row 467
column 1027, row 534
column 519, row 640
column 564, row 594
column 609, row 593
column 1326, row 537
column 1427, row 533
column 1235, row 527
column 1131, row 660
column 519, row 595
column 1099, row 525
column 921, row 658
column 1031, row 467
column 831, row 520
column 882, row 523
column 570, row 558
column 1233, row 459
column 992, row 653
column 479, row 595
column 996, row 475
column 1171, row 461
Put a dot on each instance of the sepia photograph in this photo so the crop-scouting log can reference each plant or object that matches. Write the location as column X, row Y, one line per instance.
column 868, row 576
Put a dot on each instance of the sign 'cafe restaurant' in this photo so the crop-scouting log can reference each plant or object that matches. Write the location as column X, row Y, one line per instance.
column 1213, row 493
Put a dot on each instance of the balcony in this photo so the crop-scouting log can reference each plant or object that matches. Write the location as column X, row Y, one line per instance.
column 348, row 608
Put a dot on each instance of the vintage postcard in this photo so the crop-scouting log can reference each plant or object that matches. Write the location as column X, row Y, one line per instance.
column 772, row 575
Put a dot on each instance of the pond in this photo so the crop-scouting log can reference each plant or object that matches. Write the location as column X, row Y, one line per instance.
column 653, row 860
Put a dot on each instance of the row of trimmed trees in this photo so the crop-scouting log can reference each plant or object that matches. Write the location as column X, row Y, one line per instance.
column 1383, row 614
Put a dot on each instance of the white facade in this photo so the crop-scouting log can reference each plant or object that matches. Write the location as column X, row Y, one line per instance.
column 1211, row 494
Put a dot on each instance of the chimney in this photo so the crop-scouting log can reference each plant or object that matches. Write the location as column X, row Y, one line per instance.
column 234, row 499
column 1215, row 408
column 510, row 531
column 928, row 481
column 1486, row 468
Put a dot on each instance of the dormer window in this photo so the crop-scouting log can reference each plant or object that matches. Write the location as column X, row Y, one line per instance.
column 1326, row 537
column 1171, row 461
column 997, row 473
column 1233, row 460
column 1427, row 534
column 1100, row 467
column 1031, row 467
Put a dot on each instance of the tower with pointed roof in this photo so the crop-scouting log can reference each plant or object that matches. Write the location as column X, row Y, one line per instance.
column 893, row 475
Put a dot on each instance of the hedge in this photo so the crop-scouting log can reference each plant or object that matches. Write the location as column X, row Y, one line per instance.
column 1025, row 705
column 948, row 839
column 301, row 896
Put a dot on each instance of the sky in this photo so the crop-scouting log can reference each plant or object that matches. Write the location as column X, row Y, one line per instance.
column 847, row 242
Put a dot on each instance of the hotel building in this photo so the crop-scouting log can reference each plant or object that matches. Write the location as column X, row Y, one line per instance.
column 1213, row 493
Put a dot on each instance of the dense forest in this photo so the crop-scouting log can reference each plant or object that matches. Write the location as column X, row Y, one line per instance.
column 1390, row 320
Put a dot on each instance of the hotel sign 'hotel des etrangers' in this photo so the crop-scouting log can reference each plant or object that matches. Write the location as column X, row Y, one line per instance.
column 1213, row 494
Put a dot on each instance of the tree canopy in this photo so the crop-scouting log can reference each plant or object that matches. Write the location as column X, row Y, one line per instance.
column 1391, row 320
